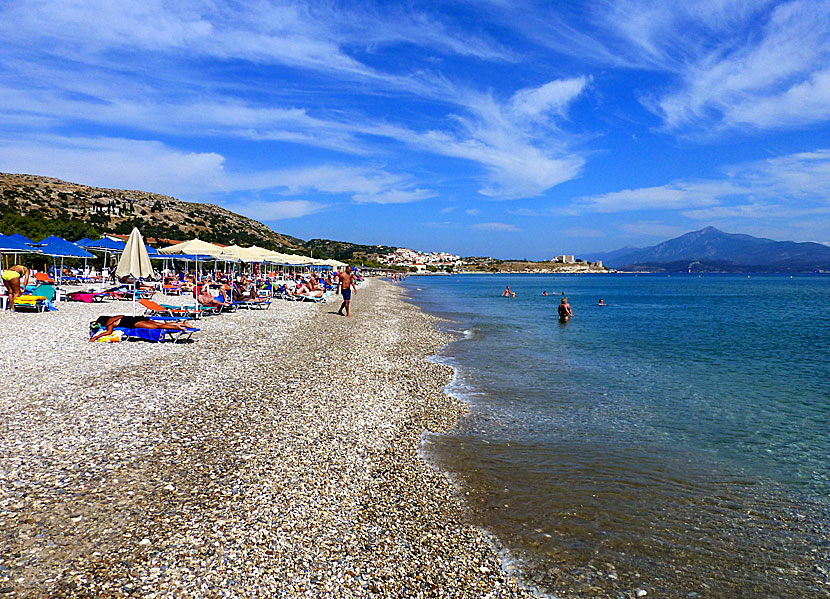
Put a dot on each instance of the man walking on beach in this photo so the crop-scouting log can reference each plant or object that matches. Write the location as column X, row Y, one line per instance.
column 345, row 284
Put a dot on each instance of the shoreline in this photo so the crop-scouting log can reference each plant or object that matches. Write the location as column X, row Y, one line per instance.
column 278, row 455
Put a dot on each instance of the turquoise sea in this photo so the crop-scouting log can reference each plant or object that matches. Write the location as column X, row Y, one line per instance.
column 675, row 441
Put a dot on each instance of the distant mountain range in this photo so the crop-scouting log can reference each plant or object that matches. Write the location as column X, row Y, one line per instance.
column 711, row 250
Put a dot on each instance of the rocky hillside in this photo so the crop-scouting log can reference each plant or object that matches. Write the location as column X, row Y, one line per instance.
column 45, row 203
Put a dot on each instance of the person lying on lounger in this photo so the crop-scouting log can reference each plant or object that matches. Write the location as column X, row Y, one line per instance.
column 108, row 323
column 203, row 296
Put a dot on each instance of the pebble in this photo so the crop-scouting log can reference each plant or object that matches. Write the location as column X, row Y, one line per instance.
column 275, row 456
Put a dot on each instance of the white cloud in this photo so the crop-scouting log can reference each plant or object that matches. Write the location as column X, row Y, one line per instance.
column 153, row 166
column 446, row 210
column 770, row 190
column 673, row 196
column 776, row 77
column 499, row 227
column 473, row 211
column 115, row 162
column 394, row 196
column 264, row 210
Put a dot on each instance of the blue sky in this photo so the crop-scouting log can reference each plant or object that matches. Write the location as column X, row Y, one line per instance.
column 513, row 129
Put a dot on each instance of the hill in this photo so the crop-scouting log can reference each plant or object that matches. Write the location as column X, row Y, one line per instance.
column 715, row 250
column 40, row 206
column 344, row 250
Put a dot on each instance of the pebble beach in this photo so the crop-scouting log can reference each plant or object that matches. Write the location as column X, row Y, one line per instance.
column 276, row 455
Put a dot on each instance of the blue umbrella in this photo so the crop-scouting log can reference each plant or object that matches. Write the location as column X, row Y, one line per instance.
column 21, row 238
column 60, row 248
column 11, row 245
column 106, row 244
column 83, row 242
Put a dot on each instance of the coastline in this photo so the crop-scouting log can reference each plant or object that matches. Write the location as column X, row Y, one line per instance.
column 275, row 456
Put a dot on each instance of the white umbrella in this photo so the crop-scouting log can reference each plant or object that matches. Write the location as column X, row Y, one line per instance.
column 134, row 261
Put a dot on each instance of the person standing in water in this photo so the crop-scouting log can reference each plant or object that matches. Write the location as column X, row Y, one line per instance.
column 565, row 312
column 345, row 284
column 506, row 292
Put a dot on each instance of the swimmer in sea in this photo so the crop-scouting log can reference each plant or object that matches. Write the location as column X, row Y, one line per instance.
column 602, row 303
column 564, row 310
column 506, row 292
column 545, row 293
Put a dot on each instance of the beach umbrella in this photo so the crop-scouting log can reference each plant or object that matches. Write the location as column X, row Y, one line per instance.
column 83, row 242
column 9, row 245
column 108, row 246
column 134, row 261
column 235, row 253
column 61, row 248
column 21, row 238
column 193, row 246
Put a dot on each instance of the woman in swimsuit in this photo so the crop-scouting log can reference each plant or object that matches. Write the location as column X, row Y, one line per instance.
column 11, row 279
column 108, row 323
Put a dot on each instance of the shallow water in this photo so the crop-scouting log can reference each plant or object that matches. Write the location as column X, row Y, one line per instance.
column 674, row 441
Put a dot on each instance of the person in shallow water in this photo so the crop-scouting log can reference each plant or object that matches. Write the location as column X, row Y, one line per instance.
column 564, row 310
column 506, row 292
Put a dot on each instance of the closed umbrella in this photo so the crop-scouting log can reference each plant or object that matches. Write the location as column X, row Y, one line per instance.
column 134, row 262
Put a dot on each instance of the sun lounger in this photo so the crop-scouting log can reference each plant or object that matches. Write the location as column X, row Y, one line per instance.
column 158, row 335
column 86, row 296
column 155, row 309
column 30, row 302
column 253, row 305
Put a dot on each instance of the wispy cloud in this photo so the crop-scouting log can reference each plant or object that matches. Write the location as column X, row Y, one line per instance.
column 779, row 78
column 496, row 227
column 394, row 196
column 116, row 162
column 153, row 166
column 796, row 183
column 265, row 210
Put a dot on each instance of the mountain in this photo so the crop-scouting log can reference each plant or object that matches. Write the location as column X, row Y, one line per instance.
column 715, row 250
column 40, row 206
column 615, row 257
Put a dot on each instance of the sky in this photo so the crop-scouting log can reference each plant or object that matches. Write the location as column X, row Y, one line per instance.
column 510, row 129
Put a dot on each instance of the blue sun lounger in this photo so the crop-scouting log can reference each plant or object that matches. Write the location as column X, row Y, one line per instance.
column 158, row 335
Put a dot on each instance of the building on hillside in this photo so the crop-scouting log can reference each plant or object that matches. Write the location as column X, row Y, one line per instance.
column 564, row 259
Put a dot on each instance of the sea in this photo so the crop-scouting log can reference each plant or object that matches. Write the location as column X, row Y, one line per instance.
column 672, row 443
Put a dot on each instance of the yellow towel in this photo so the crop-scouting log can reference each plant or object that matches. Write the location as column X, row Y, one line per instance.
column 29, row 299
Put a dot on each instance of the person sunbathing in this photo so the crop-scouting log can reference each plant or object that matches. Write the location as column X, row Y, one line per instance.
column 108, row 323
column 203, row 296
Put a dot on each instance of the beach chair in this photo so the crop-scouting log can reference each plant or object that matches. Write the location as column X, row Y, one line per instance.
column 158, row 335
column 42, row 277
column 85, row 296
column 155, row 309
column 35, row 303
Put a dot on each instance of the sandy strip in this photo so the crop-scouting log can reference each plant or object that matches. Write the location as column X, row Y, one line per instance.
column 276, row 456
